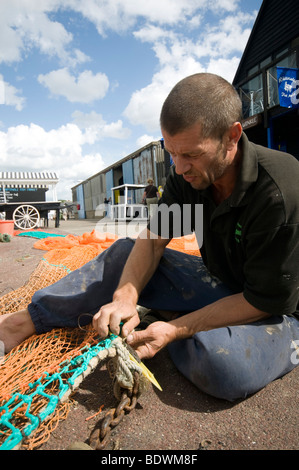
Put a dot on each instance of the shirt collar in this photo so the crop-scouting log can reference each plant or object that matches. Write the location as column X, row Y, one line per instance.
column 248, row 173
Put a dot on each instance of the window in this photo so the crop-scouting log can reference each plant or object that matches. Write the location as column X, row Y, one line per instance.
column 282, row 52
column 289, row 61
column 253, row 70
column 265, row 62
column 251, row 94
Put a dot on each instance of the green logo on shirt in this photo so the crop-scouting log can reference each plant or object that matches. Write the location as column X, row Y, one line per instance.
column 238, row 232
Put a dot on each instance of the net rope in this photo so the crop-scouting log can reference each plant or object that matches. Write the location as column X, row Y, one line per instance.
column 38, row 377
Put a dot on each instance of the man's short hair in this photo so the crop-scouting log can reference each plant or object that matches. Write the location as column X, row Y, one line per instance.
column 205, row 98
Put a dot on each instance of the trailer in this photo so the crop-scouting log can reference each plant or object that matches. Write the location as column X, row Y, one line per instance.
column 29, row 216
column 23, row 198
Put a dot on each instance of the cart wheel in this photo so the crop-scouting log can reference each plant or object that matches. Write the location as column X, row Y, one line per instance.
column 26, row 217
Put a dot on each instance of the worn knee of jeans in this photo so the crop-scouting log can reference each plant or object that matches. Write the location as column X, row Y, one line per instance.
column 223, row 374
column 213, row 370
column 234, row 362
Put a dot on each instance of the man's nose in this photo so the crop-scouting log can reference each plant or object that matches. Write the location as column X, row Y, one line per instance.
column 181, row 165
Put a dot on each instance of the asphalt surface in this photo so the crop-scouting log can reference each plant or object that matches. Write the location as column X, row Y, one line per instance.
column 180, row 418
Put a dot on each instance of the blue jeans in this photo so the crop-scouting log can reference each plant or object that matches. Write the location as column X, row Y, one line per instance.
column 227, row 362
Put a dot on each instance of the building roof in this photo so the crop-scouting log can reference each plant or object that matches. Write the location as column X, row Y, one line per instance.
column 275, row 27
column 28, row 178
column 120, row 162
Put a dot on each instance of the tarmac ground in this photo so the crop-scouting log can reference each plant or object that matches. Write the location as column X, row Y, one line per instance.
column 179, row 418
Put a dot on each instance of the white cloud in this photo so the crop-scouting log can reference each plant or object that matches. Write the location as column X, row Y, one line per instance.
column 11, row 43
column 166, row 27
column 215, row 50
column 145, row 104
column 224, row 38
column 180, row 36
column 84, row 167
column 26, row 25
column 176, row 62
column 120, row 15
column 85, row 88
column 9, row 95
column 224, row 5
column 152, row 34
column 96, row 128
column 146, row 139
column 61, row 150
column 31, row 148
column 224, row 67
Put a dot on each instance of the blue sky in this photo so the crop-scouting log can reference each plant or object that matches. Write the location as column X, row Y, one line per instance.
column 82, row 81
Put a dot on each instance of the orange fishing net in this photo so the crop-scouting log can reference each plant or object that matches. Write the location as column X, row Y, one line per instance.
column 39, row 372
column 99, row 241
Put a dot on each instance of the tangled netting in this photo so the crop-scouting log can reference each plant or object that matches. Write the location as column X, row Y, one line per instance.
column 38, row 377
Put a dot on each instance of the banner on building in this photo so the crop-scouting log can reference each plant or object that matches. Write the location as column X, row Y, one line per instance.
column 288, row 86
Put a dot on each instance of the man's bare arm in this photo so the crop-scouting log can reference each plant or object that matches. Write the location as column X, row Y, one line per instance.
column 139, row 268
column 229, row 311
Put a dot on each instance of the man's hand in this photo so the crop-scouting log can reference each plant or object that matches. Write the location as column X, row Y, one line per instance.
column 151, row 340
column 229, row 311
column 134, row 278
column 111, row 315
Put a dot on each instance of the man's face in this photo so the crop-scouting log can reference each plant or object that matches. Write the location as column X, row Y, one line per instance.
column 200, row 161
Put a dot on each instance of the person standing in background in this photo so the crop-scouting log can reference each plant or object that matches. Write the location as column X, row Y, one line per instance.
column 150, row 196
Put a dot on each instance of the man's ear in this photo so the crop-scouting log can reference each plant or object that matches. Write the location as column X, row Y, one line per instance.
column 233, row 135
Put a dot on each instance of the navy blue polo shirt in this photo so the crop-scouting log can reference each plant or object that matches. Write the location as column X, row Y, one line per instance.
column 251, row 239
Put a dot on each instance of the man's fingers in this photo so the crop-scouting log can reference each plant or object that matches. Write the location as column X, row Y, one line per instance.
column 114, row 324
column 137, row 338
column 110, row 316
column 102, row 330
column 130, row 325
column 143, row 350
column 149, row 341
column 101, row 321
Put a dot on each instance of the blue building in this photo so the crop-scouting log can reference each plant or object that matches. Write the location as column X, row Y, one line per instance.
column 150, row 161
